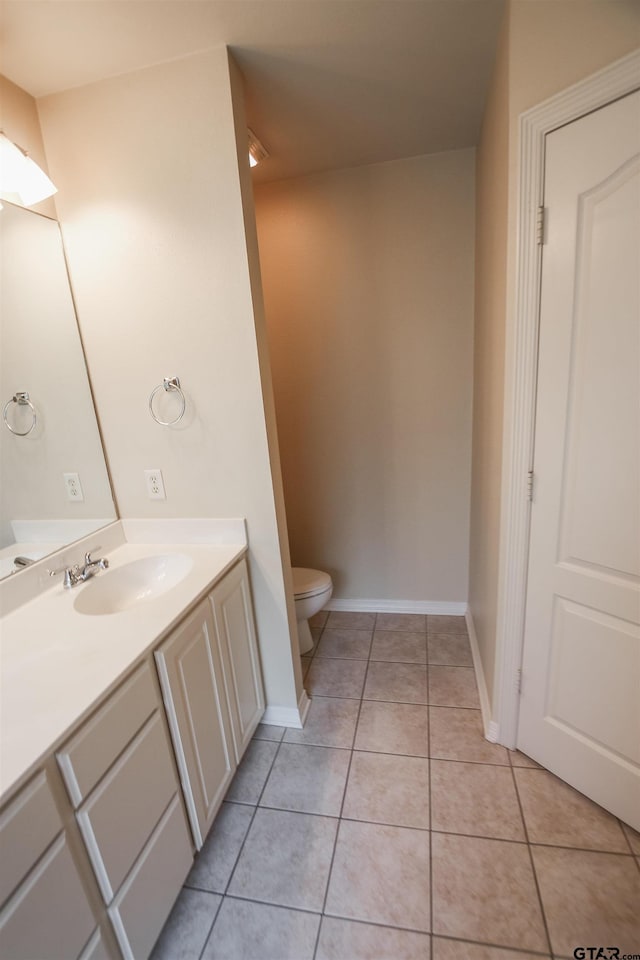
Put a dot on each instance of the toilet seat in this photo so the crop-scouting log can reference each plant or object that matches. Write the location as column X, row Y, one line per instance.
column 309, row 583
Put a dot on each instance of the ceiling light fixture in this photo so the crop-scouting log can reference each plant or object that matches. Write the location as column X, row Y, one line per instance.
column 257, row 150
column 21, row 179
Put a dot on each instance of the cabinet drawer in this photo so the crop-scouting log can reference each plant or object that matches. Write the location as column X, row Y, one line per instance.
column 120, row 815
column 86, row 757
column 27, row 827
column 49, row 915
column 141, row 907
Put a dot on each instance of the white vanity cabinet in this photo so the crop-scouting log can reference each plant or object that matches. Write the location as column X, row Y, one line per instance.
column 94, row 833
column 233, row 614
column 46, row 910
column 212, row 687
column 120, row 776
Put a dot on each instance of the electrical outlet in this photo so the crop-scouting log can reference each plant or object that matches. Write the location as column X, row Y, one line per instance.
column 155, row 485
column 73, row 487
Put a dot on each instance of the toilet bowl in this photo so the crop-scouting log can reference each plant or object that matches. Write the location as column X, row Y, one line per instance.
column 311, row 589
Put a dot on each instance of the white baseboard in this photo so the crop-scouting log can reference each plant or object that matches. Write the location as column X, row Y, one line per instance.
column 449, row 608
column 288, row 716
column 491, row 730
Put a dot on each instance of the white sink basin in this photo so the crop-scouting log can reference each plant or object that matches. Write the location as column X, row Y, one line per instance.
column 126, row 586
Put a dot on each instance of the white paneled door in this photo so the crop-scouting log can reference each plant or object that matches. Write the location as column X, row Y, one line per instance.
column 580, row 699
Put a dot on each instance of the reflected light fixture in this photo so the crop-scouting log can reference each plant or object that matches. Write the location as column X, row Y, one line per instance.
column 257, row 151
column 22, row 181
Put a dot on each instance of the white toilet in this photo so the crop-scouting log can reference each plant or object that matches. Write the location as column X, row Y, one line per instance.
column 312, row 589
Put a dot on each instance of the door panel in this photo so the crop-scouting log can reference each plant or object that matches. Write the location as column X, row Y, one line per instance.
column 580, row 702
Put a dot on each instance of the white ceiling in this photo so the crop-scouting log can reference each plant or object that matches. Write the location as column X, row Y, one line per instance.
column 330, row 83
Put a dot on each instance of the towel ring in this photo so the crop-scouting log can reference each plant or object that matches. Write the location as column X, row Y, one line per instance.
column 169, row 384
column 22, row 400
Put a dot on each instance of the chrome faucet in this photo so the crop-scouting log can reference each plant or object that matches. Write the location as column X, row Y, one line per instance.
column 23, row 561
column 91, row 567
column 78, row 573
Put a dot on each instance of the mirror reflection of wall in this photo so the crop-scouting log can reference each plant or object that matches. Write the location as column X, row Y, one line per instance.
column 41, row 354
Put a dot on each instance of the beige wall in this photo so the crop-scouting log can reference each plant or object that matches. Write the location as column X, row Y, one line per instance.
column 546, row 46
column 492, row 185
column 368, row 282
column 150, row 203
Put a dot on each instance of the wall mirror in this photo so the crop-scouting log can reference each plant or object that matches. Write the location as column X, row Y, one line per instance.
column 54, row 484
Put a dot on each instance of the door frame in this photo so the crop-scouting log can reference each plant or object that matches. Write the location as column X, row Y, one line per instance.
column 611, row 83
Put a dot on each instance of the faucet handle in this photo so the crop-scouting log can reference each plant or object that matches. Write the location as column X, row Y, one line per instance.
column 69, row 575
column 88, row 559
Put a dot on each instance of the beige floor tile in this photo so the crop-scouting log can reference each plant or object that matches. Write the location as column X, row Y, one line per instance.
column 388, row 789
column 345, row 644
column 336, row 678
column 457, row 734
column 187, row 928
column 305, row 663
column 399, row 646
column 475, row 799
column 268, row 731
column 214, row 864
column 450, row 650
column 633, row 837
column 589, row 899
column 484, row 890
column 453, row 687
column 351, row 621
column 250, row 930
column 411, row 622
column 285, row 859
column 393, row 728
column 519, row 759
column 400, row 682
column 437, row 624
column 319, row 619
column 463, row 950
column 555, row 813
column 330, row 722
column 380, row 874
column 307, row 779
column 251, row 775
column 352, row 940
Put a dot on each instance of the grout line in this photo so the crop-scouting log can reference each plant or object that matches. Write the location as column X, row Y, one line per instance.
column 213, row 923
column 497, row 946
column 625, row 834
column 531, row 860
column 242, row 845
column 344, row 794
column 270, row 903
column 255, row 810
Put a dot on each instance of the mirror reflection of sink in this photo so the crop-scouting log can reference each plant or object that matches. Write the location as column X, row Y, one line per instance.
column 124, row 587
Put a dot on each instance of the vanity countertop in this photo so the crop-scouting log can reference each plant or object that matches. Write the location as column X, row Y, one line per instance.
column 56, row 664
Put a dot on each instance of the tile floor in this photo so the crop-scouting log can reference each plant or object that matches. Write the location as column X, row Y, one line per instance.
column 389, row 828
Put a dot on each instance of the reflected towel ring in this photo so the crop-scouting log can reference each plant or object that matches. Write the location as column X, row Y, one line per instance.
column 168, row 384
column 22, row 399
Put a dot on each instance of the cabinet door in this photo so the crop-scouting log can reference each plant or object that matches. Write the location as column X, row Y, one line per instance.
column 192, row 684
column 231, row 601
